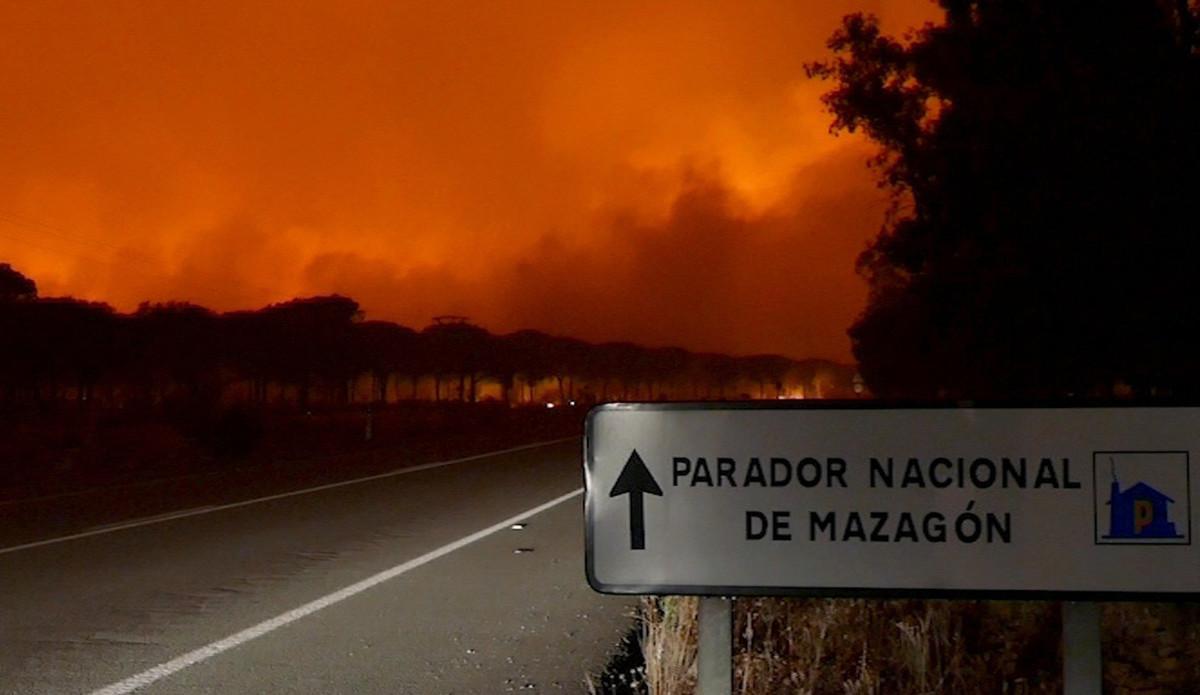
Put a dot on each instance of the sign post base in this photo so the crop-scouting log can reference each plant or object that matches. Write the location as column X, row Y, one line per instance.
column 714, row 660
column 1083, row 672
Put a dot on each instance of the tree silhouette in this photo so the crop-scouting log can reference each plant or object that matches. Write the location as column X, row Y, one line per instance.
column 528, row 357
column 312, row 352
column 309, row 344
column 58, row 348
column 388, row 349
column 1042, row 157
column 460, row 348
column 662, row 368
column 564, row 359
column 723, row 374
column 176, row 346
column 14, row 285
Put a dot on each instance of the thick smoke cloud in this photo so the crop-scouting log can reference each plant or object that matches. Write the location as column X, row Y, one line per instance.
column 613, row 170
column 714, row 273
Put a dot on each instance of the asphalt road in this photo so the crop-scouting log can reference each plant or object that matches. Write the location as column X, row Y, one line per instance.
column 407, row 583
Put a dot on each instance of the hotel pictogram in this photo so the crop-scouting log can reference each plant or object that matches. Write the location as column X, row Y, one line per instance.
column 1146, row 500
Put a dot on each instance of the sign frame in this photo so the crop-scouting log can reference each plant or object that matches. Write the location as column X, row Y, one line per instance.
column 854, row 592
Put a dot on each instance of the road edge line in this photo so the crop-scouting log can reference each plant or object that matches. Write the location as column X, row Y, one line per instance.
column 212, row 649
column 185, row 513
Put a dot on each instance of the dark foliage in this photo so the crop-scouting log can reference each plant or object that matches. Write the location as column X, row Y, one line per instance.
column 1043, row 157
column 234, row 434
column 14, row 285
column 192, row 364
column 625, row 673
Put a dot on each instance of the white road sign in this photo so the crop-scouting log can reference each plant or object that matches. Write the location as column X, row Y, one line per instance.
column 1070, row 502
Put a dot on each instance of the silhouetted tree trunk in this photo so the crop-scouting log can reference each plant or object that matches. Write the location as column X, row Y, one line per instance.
column 381, row 384
column 302, row 397
column 1187, row 26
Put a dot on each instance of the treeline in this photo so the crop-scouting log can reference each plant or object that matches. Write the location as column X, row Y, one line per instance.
column 1043, row 160
column 319, row 351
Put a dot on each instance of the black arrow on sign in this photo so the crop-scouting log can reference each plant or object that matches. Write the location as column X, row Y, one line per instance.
column 635, row 480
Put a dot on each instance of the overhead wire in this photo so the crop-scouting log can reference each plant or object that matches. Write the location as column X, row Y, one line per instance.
column 119, row 257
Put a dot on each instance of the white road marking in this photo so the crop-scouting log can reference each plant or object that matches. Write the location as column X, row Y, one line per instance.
column 166, row 516
column 105, row 488
column 171, row 516
column 208, row 651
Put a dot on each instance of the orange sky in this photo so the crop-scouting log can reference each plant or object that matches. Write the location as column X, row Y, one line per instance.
column 658, row 172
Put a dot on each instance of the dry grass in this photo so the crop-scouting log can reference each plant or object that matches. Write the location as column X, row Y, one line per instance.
column 1151, row 647
column 669, row 634
column 862, row 647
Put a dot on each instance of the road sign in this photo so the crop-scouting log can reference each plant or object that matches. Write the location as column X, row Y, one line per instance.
column 857, row 499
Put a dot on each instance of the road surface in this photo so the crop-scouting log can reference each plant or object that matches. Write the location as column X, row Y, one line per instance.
column 406, row 583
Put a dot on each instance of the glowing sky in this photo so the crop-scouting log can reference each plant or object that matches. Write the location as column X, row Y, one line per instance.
column 658, row 172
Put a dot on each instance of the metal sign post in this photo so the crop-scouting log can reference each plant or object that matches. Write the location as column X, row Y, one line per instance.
column 714, row 658
column 1083, row 671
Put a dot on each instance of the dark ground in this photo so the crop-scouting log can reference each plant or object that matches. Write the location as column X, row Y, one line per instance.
column 65, row 471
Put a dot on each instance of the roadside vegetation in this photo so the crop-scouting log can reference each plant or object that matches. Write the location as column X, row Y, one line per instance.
column 865, row 647
column 321, row 352
column 90, row 396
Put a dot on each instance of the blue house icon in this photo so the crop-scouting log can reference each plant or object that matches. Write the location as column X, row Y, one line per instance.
column 1139, row 511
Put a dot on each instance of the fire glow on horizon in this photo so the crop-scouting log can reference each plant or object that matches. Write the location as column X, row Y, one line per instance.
column 614, row 171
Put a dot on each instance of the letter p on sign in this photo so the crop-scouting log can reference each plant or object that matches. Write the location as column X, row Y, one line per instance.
column 1143, row 515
